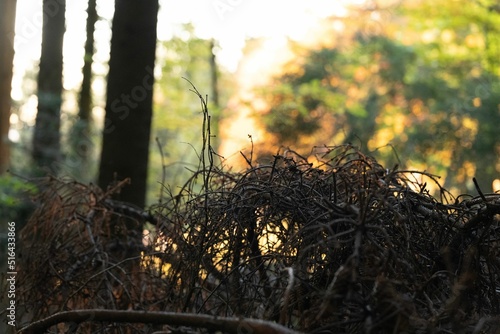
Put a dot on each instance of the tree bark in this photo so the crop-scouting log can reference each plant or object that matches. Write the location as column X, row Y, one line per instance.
column 46, row 137
column 7, row 26
column 125, row 147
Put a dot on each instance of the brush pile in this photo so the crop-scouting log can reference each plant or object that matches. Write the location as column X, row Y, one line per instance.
column 341, row 246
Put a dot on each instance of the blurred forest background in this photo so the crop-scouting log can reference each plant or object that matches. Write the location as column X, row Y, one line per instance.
column 415, row 83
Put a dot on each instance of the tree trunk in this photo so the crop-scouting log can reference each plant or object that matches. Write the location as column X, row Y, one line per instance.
column 214, row 75
column 125, row 147
column 80, row 140
column 85, row 102
column 214, row 83
column 7, row 25
column 46, row 137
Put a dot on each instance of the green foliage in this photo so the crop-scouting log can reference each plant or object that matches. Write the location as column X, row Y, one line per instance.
column 14, row 198
column 347, row 83
column 434, row 97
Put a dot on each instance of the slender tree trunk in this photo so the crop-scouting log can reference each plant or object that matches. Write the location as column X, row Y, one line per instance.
column 125, row 147
column 81, row 142
column 46, row 137
column 7, row 25
column 214, row 75
column 214, row 83
column 85, row 102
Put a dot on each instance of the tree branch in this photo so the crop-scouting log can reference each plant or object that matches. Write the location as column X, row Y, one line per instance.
column 230, row 325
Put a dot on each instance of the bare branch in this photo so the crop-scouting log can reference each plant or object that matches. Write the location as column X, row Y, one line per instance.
column 230, row 325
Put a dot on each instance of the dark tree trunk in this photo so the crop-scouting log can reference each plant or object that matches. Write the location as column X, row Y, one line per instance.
column 7, row 24
column 85, row 101
column 129, row 100
column 46, row 137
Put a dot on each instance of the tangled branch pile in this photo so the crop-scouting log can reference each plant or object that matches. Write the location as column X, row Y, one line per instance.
column 345, row 246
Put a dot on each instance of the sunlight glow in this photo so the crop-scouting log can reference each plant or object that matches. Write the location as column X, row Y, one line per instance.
column 276, row 21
